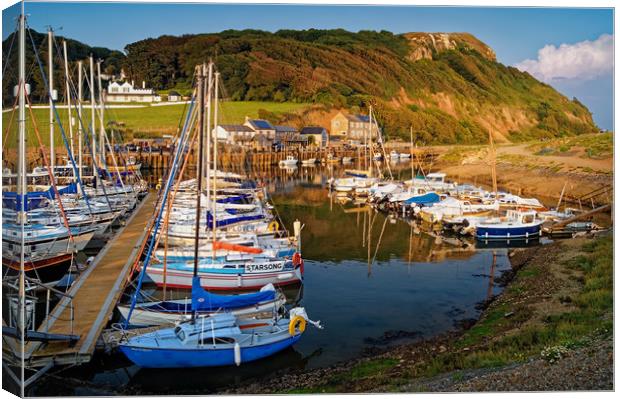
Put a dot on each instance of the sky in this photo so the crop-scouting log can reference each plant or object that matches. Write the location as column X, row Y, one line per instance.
column 568, row 48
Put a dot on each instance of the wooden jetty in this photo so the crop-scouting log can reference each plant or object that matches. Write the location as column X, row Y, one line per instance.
column 87, row 308
column 246, row 157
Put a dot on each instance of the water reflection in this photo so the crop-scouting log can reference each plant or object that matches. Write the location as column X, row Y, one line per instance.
column 371, row 279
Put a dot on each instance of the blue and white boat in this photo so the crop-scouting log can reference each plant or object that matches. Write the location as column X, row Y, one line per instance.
column 516, row 225
column 267, row 300
column 217, row 340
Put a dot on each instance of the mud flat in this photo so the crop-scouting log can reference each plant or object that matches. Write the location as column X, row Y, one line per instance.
column 584, row 164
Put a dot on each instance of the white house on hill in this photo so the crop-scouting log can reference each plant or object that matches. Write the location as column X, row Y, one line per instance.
column 126, row 92
column 234, row 134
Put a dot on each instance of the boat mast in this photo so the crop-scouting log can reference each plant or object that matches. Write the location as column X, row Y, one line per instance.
column 101, row 122
column 201, row 124
column 493, row 164
column 207, row 160
column 50, row 62
column 367, row 152
column 214, row 136
column 411, row 153
column 79, row 110
column 370, row 150
column 92, row 116
column 68, row 88
column 22, row 188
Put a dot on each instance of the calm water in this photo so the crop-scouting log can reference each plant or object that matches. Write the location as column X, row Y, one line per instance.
column 372, row 281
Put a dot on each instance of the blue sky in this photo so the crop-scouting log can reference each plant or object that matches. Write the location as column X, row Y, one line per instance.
column 516, row 34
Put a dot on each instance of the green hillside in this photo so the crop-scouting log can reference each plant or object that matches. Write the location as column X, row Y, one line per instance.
column 446, row 87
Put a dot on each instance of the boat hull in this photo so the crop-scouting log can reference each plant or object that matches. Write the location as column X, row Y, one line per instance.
column 507, row 233
column 202, row 357
column 47, row 270
column 224, row 281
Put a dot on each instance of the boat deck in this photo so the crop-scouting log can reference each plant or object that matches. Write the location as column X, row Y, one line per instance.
column 94, row 294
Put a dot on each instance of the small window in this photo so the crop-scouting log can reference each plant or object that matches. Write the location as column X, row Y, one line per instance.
column 178, row 331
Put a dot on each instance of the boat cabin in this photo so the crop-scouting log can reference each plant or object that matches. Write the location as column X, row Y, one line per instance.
column 522, row 217
column 436, row 177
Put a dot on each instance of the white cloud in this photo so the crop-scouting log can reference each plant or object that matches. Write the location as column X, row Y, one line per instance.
column 584, row 60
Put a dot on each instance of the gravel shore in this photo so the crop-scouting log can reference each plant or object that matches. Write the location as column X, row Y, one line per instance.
column 543, row 289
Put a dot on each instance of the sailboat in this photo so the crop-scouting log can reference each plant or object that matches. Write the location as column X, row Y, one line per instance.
column 359, row 181
column 39, row 238
column 266, row 300
column 221, row 339
column 218, row 339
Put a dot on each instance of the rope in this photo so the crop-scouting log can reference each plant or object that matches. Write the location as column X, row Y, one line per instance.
column 49, row 171
column 180, row 148
column 62, row 130
column 8, row 53
column 158, row 218
column 8, row 128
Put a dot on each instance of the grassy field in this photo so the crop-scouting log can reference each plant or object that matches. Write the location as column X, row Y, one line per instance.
column 150, row 120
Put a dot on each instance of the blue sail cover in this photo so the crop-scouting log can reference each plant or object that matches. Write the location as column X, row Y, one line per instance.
column 34, row 199
column 205, row 301
column 232, row 220
column 425, row 199
column 230, row 200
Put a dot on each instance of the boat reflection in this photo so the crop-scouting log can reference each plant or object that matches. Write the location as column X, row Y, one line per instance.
column 210, row 380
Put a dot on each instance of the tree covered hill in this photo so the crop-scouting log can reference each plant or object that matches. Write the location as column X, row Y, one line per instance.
column 446, row 87
column 111, row 63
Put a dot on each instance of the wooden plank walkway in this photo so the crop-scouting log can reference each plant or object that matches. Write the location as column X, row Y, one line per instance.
column 95, row 295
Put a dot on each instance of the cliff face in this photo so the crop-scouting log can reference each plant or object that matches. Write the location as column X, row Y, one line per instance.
column 424, row 45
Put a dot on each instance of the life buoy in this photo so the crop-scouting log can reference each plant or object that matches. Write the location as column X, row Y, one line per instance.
column 297, row 323
column 296, row 259
column 274, row 226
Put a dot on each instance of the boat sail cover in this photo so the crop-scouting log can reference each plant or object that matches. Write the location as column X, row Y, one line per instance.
column 234, row 199
column 228, row 221
column 33, row 199
column 425, row 199
column 203, row 300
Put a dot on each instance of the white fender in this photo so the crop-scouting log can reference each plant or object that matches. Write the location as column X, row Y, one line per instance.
column 237, row 353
